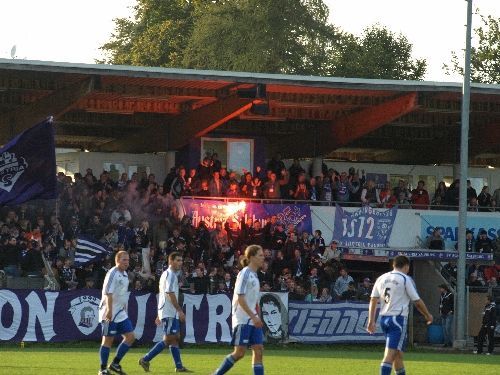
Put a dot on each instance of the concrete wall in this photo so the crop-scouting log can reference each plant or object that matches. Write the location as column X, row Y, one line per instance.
column 73, row 162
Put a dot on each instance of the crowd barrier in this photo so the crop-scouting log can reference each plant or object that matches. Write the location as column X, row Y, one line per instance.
column 43, row 316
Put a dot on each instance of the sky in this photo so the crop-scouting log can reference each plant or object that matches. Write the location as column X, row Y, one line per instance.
column 72, row 31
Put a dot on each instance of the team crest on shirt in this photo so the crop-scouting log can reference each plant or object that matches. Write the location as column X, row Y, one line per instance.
column 11, row 168
column 85, row 310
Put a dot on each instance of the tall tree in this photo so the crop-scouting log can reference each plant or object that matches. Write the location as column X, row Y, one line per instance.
column 378, row 53
column 156, row 36
column 271, row 36
column 485, row 57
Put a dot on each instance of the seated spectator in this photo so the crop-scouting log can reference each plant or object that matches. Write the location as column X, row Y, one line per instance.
column 350, row 294
column 470, row 243
column 365, row 290
column 332, row 252
column 312, row 296
column 325, row 296
column 484, row 244
column 342, row 283
column 435, row 241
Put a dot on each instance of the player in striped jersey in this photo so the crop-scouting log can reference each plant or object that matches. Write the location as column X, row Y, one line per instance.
column 113, row 315
column 170, row 314
column 247, row 326
column 395, row 290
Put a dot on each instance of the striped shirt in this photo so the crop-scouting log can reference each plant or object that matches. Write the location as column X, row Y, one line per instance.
column 247, row 284
column 116, row 284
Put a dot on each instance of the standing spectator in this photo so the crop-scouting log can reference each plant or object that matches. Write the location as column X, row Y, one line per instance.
column 342, row 283
column 484, row 199
column 11, row 257
column 216, row 186
column 179, row 184
column 487, row 327
column 471, row 192
column 446, row 307
column 343, row 187
column 216, row 163
column 317, row 243
column 440, row 194
column 271, row 189
column 420, row 197
column 496, row 197
column 369, row 194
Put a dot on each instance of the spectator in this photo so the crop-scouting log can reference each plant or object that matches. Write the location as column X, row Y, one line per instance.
column 420, row 197
column 342, row 283
column 312, row 296
column 325, row 296
column 365, row 290
column 435, row 241
column 484, row 199
column 350, row 294
column 484, row 244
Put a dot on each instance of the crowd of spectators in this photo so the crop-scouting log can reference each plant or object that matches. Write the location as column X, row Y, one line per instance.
column 350, row 187
column 140, row 215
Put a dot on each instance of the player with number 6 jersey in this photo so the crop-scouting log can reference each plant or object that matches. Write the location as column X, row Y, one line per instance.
column 395, row 290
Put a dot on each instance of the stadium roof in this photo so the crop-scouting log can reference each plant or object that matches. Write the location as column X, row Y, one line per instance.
column 145, row 109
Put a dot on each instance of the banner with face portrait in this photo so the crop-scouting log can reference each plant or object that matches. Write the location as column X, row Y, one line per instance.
column 274, row 315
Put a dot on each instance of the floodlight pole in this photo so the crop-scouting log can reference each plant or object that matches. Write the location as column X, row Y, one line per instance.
column 460, row 337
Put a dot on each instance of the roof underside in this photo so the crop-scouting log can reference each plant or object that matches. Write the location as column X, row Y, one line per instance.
column 136, row 109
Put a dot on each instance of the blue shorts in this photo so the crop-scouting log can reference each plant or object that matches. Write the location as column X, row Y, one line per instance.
column 395, row 329
column 114, row 329
column 171, row 326
column 247, row 335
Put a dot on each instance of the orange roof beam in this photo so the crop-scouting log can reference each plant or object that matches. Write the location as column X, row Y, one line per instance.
column 353, row 126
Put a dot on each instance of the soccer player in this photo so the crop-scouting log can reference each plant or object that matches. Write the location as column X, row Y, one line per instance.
column 247, row 326
column 395, row 290
column 113, row 314
column 170, row 314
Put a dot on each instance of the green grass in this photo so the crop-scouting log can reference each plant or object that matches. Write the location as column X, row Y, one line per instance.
column 302, row 360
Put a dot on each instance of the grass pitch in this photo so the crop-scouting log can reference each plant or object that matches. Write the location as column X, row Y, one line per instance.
column 316, row 360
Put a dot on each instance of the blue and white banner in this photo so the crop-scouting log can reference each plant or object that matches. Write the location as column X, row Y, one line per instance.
column 365, row 228
column 89, row 251
column 28, row 166
column 324, row 323
column 439, row 255
column 448, row 223
column 212, row 211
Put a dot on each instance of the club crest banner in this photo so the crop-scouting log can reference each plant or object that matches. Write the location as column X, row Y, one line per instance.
column 367, row 227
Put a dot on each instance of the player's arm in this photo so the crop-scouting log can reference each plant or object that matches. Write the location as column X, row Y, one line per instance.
column 173, row 300
column 242, row 301
column 419, row 304
column 372, row 311
column 109, row 307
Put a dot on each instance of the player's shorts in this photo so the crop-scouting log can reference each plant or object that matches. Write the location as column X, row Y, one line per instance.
column 395, row 329
column 113, row 328
column 247, row 335
column 171, row 326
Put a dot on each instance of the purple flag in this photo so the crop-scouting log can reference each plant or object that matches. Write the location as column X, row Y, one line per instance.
column 28, row 166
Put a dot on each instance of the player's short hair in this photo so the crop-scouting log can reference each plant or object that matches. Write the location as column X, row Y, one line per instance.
column 174, row 255
column 119, row 255
column 400, row 261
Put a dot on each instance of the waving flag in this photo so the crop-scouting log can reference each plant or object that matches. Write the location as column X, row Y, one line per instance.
column 89, row 251
column 28, row 166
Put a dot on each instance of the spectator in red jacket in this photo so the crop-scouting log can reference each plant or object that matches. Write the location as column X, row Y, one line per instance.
column 420, row 197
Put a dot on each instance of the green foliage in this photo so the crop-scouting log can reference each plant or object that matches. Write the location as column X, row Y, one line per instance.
column 270, row 36
column 379, row 53
column 485, row 57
